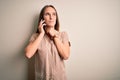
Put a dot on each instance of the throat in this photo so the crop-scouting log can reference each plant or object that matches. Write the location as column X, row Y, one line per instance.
column 49, row 37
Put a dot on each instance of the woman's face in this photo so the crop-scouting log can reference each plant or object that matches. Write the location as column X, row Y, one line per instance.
column 50, row 17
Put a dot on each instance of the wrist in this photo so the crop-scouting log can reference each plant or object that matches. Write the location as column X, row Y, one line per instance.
column 56, row 35
column 42, row 34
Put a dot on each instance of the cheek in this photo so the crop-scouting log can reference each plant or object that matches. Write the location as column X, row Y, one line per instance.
column 55, row 18
column 45, row 18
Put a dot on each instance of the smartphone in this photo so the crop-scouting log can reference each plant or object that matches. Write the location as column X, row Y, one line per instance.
column 43, row 23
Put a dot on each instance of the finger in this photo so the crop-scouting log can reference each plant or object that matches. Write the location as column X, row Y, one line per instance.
column 42, row 21
column 43, row 24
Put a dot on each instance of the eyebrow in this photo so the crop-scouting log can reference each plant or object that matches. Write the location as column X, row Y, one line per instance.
column 50, row 12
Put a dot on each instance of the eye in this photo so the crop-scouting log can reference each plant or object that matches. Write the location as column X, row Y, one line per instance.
column 46, row 14
column 54, row 14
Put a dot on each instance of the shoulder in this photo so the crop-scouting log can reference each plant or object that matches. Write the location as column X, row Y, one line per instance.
column 33, row 37
column 63, row 34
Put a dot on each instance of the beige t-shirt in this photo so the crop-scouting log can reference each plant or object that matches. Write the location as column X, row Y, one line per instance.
column 49, row 65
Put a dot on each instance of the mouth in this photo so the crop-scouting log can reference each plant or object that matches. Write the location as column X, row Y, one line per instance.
column 51, row 21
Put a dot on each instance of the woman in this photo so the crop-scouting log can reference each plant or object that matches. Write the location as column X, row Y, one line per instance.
column 50, row 47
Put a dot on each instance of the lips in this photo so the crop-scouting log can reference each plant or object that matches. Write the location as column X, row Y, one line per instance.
column 51, row 21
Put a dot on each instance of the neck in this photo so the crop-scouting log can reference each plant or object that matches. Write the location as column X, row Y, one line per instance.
column 47, row 29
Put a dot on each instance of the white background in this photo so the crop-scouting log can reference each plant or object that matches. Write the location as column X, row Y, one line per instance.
column 93, row 27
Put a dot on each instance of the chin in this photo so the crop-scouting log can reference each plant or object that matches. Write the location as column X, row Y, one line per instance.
column 51, row 25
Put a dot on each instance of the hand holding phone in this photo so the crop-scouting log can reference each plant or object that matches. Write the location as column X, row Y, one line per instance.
column 41, row 26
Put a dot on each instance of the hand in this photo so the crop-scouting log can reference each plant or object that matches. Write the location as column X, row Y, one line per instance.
column 51, row 32
column 41, row 25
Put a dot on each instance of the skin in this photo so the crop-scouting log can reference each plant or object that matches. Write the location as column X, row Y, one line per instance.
column 49, row 21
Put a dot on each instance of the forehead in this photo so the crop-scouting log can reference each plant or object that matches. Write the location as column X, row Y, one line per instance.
column 50, row 9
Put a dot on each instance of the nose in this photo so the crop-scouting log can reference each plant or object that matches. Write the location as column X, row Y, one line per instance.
column 51, row 16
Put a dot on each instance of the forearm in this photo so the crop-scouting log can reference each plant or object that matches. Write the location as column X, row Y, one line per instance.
column 32, row 47
column 63, row 49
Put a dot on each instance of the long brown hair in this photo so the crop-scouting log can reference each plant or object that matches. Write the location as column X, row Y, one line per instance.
column 57, row 25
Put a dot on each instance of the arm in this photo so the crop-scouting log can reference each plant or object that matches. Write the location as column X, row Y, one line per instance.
column 63, row 48
column 32, row 46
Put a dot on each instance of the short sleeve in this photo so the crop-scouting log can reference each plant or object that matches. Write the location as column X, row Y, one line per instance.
column 65, row 37
column 33, row 37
